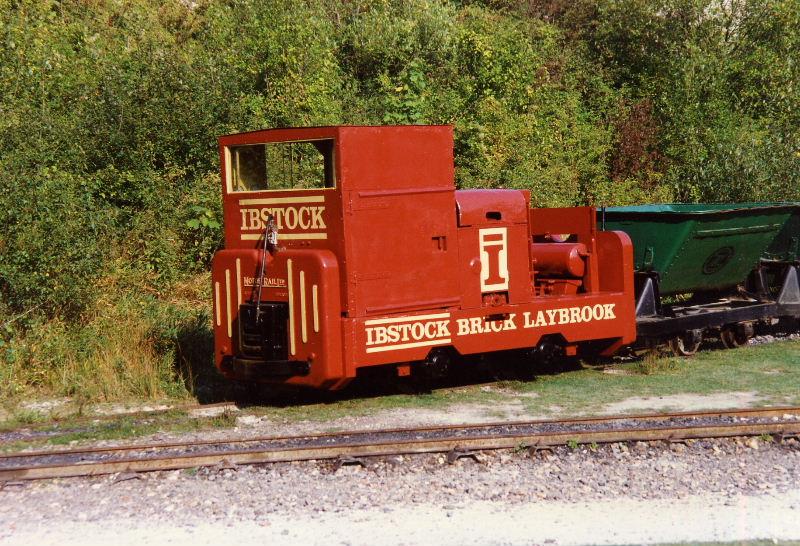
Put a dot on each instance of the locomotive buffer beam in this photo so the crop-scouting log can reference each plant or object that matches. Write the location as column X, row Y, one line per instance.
column 254, row 368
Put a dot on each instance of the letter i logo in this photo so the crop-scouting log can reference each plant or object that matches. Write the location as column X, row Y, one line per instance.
column 494, row 259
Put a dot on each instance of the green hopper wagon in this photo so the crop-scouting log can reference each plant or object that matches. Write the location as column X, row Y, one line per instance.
column 699, row 247
column 710, row 269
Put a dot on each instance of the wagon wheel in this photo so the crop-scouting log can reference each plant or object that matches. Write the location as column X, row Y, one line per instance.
column 736, row 335
column 687, row 343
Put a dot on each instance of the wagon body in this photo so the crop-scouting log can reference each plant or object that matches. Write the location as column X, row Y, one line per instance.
column 786, row 245
column 695, row 248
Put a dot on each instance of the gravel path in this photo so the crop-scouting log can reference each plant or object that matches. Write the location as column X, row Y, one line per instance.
column 645, row 493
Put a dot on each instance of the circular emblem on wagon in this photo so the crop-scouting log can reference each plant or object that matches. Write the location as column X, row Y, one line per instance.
column 718, row 259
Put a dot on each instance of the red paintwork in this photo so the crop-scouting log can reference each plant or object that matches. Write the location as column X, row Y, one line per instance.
column 560, row 260
column 407, row 263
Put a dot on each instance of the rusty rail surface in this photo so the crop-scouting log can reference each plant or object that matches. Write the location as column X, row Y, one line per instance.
column 240, row 451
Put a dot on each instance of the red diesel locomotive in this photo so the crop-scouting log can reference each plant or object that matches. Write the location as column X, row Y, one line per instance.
column 349, row 247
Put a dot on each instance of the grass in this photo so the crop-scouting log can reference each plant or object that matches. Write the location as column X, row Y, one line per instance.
column 771, row 372
column 131, row 345
column 121, row 428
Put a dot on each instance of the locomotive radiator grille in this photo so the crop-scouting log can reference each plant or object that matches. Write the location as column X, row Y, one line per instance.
column 263, row 331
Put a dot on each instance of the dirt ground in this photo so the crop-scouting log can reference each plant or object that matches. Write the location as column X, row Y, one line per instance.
column 646, row 493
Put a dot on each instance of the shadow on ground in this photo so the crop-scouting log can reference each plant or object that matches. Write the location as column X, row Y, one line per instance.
column 194, row 363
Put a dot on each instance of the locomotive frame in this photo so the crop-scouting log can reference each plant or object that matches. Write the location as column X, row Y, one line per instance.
column 362, row 254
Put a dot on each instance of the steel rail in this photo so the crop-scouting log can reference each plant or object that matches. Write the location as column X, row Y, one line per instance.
column 740, row 413
column 394, row 447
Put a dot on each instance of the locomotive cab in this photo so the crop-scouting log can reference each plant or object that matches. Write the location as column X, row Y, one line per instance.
column 365, row 225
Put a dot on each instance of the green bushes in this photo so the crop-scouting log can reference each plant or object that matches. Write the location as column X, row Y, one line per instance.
column 720, row 77
column 109, row 189
column 53, row 244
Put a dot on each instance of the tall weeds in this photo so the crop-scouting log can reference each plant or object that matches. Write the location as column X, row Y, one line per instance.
column 130, row 345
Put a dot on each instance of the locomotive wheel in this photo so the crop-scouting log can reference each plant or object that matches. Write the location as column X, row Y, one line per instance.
column 425, row 374
column 437, row 365
column 736, row 335
column 687, row 343
column 544, row 358
column 548, row 356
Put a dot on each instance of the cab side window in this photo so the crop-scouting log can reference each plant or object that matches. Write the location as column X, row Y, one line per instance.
column 281, row 166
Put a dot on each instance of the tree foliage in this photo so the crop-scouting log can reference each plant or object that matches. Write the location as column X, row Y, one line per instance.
column 109, row 111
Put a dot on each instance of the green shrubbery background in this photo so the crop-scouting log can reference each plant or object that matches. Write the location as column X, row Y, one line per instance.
column 109, row 112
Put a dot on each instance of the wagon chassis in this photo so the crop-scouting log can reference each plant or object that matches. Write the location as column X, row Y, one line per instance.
column 657, row 323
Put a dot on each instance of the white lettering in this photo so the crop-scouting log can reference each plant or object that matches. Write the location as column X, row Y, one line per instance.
column 255, row 223
column 273, row 282
column 570, row 315
column 526, row 320
column 380, row 336
column 264, row 218
column 304, row 214
column 278, row 214
column 316, row 218
column 476, row 325
column 493, row 243
column 291, row 218
column 406, row 333
column 402, row 333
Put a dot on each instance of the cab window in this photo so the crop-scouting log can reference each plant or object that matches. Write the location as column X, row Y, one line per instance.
column 281, row 166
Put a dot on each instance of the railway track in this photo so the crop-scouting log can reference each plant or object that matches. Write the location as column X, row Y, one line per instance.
column 456, row 441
